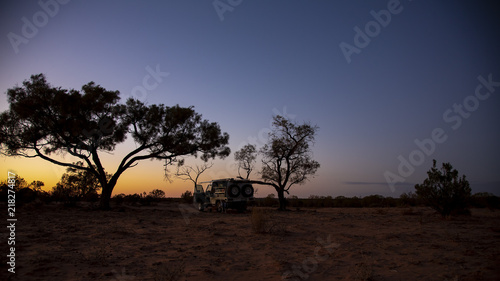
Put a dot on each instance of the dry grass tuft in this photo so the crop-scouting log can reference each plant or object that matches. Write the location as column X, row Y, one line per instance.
column 263, row 222
column 97, row 256
column 363, row 272
column 170, row 271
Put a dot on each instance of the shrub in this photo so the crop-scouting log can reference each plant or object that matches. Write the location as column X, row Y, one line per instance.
column 270, row 201
column 408, row 199
column 445, row 191
column 485, row 200
column 157, row 194
column 187, row 197
column 119, row 198
column 132, row 199
column 373, row 201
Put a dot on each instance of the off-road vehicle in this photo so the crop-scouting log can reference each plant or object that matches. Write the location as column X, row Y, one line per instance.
column 223, row 194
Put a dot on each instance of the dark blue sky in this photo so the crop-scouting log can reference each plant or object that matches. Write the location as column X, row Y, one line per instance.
column 240, row 66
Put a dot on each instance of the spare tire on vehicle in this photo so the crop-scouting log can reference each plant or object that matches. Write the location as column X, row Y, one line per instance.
column 247, row 190
column 234, row 190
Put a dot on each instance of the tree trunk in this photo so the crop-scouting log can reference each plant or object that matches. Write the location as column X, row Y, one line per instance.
column 107, row 190
column 105, row 198
column 282, row 200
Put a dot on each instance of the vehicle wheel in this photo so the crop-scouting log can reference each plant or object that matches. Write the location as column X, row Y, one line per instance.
column 234, row 190
column 247, row 190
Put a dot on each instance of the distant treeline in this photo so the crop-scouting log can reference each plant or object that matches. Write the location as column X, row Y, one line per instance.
column 71, row 195
column 74, row 187
column 478, row 200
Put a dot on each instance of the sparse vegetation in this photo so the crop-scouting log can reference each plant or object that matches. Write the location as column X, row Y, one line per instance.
column 408, row 199
column 445, row 191
column 187, row 197
column 359, row 244
column 32, row 192
column 485, row 200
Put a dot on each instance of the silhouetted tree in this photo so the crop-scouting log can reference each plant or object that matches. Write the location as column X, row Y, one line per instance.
column 157, row 194
column 485, row 199
column 408, row 199
column 77, row 184
column 287, row 156
column 36, row 185
column 445, row 191
column 45, row 120
column 189, row 173
column 245, row 158
column 24, row 192
column 187, row 197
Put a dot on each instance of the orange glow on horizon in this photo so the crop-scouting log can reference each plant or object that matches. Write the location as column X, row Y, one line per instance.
column 148, row 175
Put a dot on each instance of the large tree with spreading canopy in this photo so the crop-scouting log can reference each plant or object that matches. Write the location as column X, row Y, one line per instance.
column 45, row 121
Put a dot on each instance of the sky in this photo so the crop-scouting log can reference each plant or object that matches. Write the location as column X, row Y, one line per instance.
column 390, row 84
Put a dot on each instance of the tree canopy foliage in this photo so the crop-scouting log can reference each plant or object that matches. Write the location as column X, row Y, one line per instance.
column 245, row 159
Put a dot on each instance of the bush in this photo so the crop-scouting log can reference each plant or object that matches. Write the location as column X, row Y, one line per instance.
column 408, row 199
column 132, row 199
column 373, row 201
column 445, row 191
column 118, row 199
column 187, row 197
column 270, row 201
column 485, row 200
column 346, row 202
column 157, row 194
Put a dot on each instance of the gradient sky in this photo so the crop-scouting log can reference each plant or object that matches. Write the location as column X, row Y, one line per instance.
column 241, row 66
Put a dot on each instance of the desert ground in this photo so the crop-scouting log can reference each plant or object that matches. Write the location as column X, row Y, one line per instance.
column 173, row 241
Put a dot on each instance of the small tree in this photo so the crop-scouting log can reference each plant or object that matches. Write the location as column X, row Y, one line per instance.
column 245, row 158
column 187, row 196
column 287, row 158
column 445, row 191
column 191, row 173
column 24, row 192
column 157, row 194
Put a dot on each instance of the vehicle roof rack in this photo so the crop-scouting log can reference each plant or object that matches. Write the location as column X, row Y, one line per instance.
column 231, row 179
